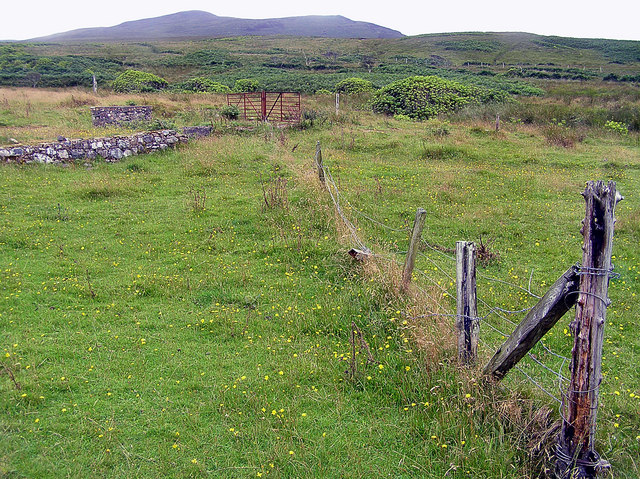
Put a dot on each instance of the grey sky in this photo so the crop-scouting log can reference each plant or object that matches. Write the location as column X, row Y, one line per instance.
column 584, row 18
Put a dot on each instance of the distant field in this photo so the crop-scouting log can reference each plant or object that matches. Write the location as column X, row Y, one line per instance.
column 189, row 314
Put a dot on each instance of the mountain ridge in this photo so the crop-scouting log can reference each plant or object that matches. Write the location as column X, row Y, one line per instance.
column 201, row 24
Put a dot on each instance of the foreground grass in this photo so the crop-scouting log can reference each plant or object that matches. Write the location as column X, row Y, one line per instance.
column 150, row 337
column 150, row 331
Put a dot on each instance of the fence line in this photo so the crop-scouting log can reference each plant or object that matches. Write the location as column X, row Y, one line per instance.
column 339, row 199
column 575, row 452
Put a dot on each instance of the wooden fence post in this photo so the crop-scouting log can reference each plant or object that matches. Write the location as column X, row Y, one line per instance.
column 319, row 163
column 414, row 245
column 337, row 102
column 498, row 122
column 576, row 455
column 554, row 304
column 467, row 324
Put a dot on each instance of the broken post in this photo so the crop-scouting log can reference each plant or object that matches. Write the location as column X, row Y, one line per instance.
column 414, row 245
column 467, row 324
column 576, row 455
column 543, row 316
column 319, row 163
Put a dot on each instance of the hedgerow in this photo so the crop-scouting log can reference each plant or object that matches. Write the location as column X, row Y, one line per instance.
column 423, row 97
column 137, row 81
column 354, row 85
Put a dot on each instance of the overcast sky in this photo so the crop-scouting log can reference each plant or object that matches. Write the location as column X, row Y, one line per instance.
column 574, row 18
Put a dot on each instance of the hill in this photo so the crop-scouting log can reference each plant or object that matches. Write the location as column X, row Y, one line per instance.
column 199, row 24
column 309, row 64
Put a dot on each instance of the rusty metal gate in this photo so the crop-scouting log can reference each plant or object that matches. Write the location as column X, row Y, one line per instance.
column 276, row 107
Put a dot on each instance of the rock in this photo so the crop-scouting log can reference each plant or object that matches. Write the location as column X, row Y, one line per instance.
column 63, row 154
column 40, row 158
column 61, row 139
column 17, row 152
column 116, row 153
column 4, row 153
column 75, row 154
column 127, row 153
column 197, row 131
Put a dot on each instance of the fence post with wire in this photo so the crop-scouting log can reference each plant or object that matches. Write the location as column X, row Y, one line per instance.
column 414, row 246
column 583, row 285
column 467, row 322
column 576, row 454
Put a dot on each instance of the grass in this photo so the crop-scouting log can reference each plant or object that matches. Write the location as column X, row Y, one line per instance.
column 160, row 320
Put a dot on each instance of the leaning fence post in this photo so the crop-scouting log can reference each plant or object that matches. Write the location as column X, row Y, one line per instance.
column 319, row 163
column 576, row 455
column 467, row 324
column 414, row 245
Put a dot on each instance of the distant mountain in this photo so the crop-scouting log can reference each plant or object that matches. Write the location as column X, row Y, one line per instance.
column 199, row 24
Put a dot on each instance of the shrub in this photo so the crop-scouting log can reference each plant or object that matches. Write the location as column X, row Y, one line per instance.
column 230, row 112
column 323, row 91
column 616, row 127
column 246, row 85
column 422, row 97
column 137, row 81
column 205, row 85
column 310, row 118
column 354, row 85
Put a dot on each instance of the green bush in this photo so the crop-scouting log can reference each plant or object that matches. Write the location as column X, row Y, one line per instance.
column 423, row 97
column 203, row 84
column 354, row 85
column 137, row 81
column 616, row 127
column 230, row 112
column 246, row 85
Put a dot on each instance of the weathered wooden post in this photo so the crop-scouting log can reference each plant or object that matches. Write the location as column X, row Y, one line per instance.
column 498, row 122
column 576, row 455
column 543, row 316
column 467, row 324
column 319, row 163
column 337, row 102
column 414, row 245
column 95, row 84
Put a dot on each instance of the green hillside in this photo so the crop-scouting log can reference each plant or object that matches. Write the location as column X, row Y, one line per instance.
column 312, row 64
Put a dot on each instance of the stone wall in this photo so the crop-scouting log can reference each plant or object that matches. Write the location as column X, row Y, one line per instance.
column 110, row 149
column 119, row 115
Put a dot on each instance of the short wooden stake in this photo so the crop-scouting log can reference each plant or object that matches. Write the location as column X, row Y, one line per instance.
column 414, row 245
column 467, row 324
column 554, row 304
column 576, row 455
column 337, row 102
column 319, row 163
column 498, row 122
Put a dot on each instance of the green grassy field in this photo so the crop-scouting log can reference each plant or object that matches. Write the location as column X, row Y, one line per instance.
column 161, row 318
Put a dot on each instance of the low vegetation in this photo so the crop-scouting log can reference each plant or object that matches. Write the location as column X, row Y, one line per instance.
column 194, row 313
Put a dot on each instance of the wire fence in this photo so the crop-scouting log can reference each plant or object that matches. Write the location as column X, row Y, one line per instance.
column 544, row 367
